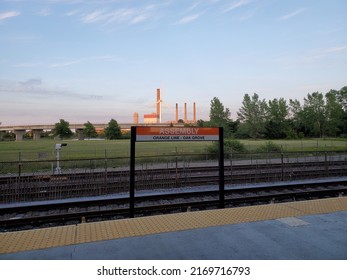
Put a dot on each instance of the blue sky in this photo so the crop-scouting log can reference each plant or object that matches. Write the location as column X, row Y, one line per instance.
column 93, row 60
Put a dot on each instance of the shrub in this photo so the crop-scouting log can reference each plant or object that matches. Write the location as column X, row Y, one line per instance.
column 269, row 147
column 232, row 145
column 301, row 135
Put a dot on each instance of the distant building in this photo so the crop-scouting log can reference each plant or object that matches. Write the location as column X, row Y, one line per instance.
column 150, row 118
column 136, row 118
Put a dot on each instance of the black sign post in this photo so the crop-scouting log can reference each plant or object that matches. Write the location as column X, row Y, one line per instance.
column 221, row 167
column 132, row 172
column 165, row 134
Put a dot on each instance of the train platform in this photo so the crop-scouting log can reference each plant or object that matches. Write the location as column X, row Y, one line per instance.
column 302, row 230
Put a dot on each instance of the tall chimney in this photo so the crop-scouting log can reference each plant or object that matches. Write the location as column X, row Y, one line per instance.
column 194, row 114
column 185, row 112
column 176, row 112
column 158, row 106
column 136, row 118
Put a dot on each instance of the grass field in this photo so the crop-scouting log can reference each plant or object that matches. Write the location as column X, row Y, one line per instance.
column 45, row 149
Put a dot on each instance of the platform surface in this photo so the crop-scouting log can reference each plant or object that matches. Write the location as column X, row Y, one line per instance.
column 315, row 229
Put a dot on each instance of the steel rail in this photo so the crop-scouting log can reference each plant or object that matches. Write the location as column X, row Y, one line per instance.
column 233, row 197
column 74, row 189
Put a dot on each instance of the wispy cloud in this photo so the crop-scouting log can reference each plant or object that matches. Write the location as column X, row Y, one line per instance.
column 35, row 87
column 72, row 13
column 318, row 54
column 334, row 49
column 123, row 15
column 189, row 18
column 7, row 15
column 94, row 16
column 107, row 58
column 32, row 82
column 139, row 18
column 82, row 60
column 65, row 63
column 44, row 12
column 293, row 14
column 192, row 7
column 236, row 4
column 28, row 64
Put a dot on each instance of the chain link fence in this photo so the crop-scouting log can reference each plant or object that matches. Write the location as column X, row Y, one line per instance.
column 34, row 180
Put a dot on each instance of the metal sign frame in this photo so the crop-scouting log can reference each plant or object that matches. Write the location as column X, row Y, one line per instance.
column 170, row 134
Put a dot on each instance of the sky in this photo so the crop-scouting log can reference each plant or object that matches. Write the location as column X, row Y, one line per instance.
column 94, row 60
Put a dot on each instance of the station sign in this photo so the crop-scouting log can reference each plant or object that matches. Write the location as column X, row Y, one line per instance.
column 164, row 134
column 167, row 134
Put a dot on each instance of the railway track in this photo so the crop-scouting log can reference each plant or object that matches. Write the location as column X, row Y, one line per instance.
column 57, row 213
column 52, row 187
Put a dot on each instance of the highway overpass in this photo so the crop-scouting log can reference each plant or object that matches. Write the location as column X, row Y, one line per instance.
column 38, row 129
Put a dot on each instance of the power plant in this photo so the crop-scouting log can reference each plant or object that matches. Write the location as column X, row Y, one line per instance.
column 157, row 116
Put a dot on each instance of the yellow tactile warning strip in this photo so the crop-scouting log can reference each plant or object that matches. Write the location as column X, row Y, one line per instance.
column 90, row 232
column 37, row 239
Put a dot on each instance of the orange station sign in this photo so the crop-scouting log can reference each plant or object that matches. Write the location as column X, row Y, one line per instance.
column 163, row 134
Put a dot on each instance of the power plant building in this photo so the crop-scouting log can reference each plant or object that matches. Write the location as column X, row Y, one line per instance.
column 156, row 117
column 150, row 118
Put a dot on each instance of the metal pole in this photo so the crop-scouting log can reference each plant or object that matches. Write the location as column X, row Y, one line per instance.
column 221, row 168
column 19, row 164
column 132, row 173
column 282, row 168
column 231, row 166
column 57, row 169
column 58, row 158
column 176, row 182
column 326, row 162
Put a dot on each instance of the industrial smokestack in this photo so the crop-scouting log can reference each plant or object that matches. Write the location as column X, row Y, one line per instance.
column 176, row 112
column 158, row 106
column 136, row 118
column 185, row 112
column 194, row 114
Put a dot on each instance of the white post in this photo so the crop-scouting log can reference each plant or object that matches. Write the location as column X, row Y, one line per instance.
column 57, row 149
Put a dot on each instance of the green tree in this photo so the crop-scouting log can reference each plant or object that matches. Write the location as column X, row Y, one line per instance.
column 62, row 129
column 220, row 116
column 201, row 123
column 342, row 97
column 334, row 114
column 276, row 126
column 112, row 131
column 253, row 115
column 295, row 119
column 313, row 114
column 89, row 130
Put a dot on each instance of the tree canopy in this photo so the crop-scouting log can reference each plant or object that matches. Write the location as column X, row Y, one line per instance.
column 62, row 129
column 89, row 130
column 220, row 117
column 253, row 114
column 112, row 131
column 319, row 115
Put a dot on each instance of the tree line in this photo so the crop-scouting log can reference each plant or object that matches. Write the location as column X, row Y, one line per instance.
column 319, row 115
column 112, row 131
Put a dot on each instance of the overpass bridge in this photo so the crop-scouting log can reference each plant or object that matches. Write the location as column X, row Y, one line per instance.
column 38, row 129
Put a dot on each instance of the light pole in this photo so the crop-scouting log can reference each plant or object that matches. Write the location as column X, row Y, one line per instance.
column 57, row 150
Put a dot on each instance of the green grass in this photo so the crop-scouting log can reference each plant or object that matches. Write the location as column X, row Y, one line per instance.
column 305, row 145
column 45, row 149
column 88, row 155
